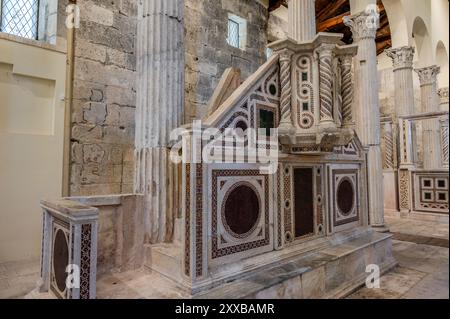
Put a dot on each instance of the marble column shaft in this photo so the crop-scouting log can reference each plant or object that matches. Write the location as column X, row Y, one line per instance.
column 366, row 107
column 159, row 110
column 430, row 128
column 302, row 20
column 402, row 59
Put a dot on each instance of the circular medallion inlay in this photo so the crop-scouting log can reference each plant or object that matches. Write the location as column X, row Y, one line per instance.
column 345, row 197
column 241, row 211
column 307, row 120
column 60, row 259
column 242, row 125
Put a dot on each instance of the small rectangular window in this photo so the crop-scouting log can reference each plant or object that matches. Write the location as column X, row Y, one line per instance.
column 20, row 17
column 237, row 31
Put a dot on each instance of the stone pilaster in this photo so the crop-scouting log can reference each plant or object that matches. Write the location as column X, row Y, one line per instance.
column 430, row 103
column 402, row 59
column 159, row 110
column 302, row 20
column 366, row 108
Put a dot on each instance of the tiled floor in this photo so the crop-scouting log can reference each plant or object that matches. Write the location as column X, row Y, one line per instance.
column 423, row 272
column 418, row 227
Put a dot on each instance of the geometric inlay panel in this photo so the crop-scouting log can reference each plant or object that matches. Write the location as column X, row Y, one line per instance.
column 431, row 192
column 345, row 197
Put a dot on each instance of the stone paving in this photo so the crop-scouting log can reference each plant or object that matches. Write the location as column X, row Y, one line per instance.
column 422, row 273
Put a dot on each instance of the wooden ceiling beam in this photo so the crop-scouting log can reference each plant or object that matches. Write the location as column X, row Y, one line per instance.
column 275, row 4
column 329, row 10
column 384, row 32
column 332, row 23
column 383, row 45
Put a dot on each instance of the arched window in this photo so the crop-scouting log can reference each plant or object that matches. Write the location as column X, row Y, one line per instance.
column 442, row 61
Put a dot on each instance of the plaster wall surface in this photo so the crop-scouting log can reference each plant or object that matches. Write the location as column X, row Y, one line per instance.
column 31, row 142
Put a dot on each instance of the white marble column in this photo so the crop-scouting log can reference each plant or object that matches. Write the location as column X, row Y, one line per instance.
column 160, row 98
column 302, row 20
column 366, row 108
column 430, row 128
column 402, row 59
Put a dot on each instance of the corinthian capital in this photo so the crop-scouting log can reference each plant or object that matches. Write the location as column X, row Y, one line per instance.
column 443, row 95
column 364, row 25
column 428, row 75
column 401, row 57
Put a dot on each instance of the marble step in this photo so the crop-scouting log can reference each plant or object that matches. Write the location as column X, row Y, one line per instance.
column 165, row 259
column 36, row 294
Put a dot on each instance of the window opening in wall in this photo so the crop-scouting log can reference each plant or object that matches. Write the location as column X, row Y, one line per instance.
column 20, row 18
column 237, row 31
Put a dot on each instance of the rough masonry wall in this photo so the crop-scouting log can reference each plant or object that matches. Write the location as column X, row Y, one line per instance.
column 208, row 53
column 104, row 98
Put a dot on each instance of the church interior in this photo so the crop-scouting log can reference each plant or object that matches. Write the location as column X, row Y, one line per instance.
column 233, row 149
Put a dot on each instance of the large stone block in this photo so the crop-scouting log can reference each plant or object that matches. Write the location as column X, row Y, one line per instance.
column 87, row 133
column 94, row 113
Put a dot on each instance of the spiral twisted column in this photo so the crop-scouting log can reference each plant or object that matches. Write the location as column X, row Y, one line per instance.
column 286, row 89
column 326, row 83
column 347, row 90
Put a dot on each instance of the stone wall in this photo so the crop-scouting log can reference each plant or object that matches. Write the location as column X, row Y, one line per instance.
column 208, row 53
column 104, row 98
